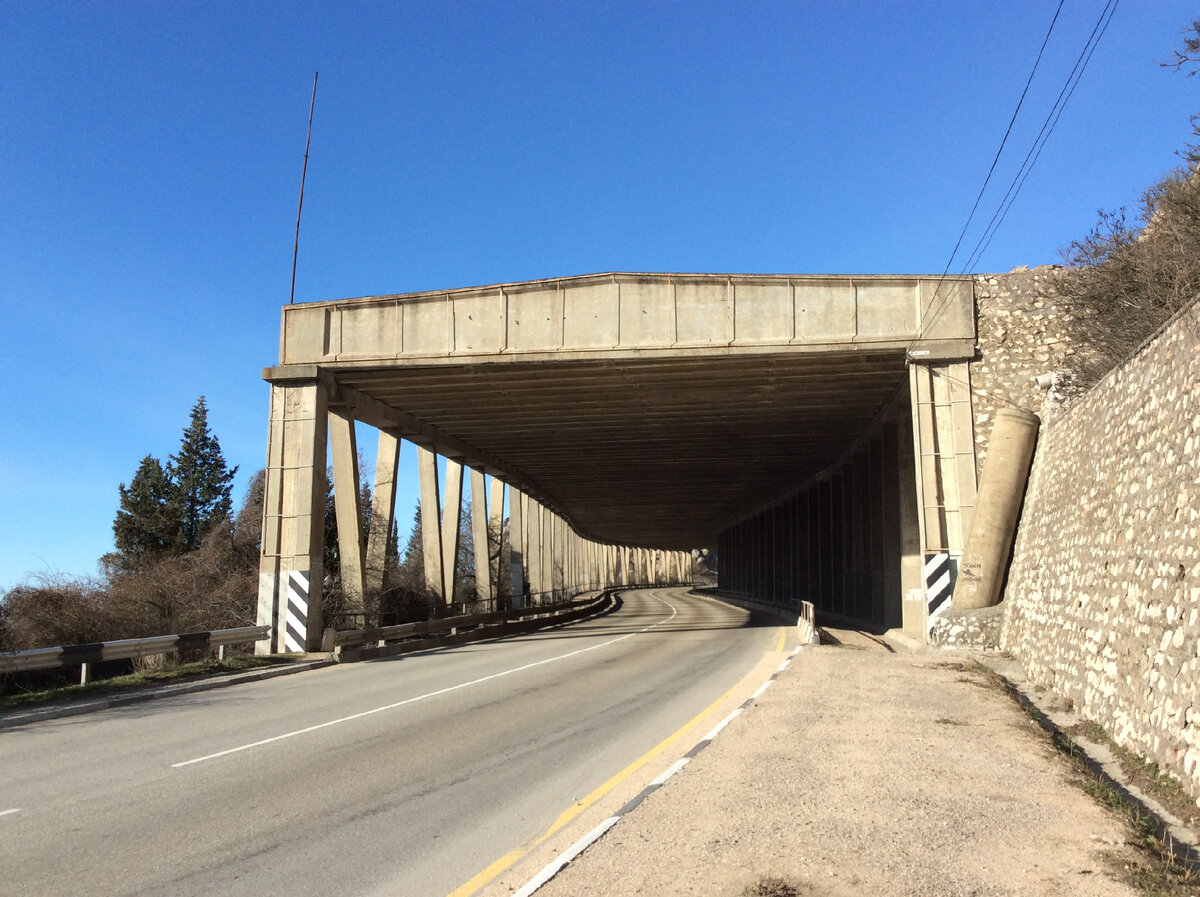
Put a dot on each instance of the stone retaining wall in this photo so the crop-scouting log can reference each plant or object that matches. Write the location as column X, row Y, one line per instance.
column 1103, row 595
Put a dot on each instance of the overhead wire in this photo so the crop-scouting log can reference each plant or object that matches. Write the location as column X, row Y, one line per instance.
column 937, row 308
column 1004, row 139
column 1048, row 126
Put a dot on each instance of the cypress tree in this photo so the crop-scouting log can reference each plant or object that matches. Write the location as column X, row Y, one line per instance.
column 202, row 486
column 147, row 522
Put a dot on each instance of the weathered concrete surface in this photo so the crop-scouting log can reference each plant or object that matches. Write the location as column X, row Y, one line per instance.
column 1104, row 591
column 989, row 546
column 645, row 409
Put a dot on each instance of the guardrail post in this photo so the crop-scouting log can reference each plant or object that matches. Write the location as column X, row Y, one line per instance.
column 85, row 673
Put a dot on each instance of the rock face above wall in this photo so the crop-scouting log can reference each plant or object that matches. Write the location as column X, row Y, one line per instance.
column 1023, row 331
column 1103, row 596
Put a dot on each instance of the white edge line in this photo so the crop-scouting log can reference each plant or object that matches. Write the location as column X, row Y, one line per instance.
column 721, row 725
column 761, row 689
column 9, row 812
column 670, row 771
column 556, row 866
column 432, row 694
column 560, row 862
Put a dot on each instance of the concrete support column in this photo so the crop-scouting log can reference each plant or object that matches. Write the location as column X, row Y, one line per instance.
column 548, row 551
column 912, row 581
column 290, row 574
column 347, row 504
column 944, row 443
column 1001, row 491
column 516, row 545
column 479, row 537
column 496, row 533
column 383, row 512
column 431, row 523
column 451, row 518
column 533, row 545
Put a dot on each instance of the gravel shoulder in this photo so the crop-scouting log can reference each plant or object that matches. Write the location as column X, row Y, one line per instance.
column 863, row 771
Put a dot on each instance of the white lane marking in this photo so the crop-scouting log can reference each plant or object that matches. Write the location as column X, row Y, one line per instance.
column 432, row 694
column 7, row 812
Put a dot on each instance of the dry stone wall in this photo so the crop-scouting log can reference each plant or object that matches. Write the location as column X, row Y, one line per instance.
column 1102, row 603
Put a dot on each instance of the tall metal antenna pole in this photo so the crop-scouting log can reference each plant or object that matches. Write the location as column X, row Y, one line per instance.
column 303, row 174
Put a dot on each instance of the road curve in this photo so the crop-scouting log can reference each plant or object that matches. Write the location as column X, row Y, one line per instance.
column 405, row 776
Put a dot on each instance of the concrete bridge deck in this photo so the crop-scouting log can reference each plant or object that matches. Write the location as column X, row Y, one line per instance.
column 647, row 415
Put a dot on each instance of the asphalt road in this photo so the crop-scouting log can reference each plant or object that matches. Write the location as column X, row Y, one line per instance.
column 403, row 777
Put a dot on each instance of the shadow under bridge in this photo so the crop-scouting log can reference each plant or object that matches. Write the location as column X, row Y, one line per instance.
column 633, row 419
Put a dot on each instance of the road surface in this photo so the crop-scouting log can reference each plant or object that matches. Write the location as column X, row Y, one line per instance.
column 405, row 776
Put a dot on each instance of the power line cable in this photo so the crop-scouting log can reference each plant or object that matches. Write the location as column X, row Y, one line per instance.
column 1048, row 126
column 935, row 309
column 1003, row 140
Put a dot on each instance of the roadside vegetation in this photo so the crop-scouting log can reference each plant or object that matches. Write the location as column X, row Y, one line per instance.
column 185, row 560
column 1137, row 268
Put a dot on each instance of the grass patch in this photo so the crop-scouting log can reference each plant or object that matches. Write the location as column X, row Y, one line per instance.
column 947, row 721
column 1159, row 873
column 142, row 679
column 1144, row 774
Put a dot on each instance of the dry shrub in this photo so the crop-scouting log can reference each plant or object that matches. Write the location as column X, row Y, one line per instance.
column 213, row 587
column 1129, row 279
column 54, row 610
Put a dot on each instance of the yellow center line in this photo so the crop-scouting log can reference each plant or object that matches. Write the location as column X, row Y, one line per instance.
column 518, row 853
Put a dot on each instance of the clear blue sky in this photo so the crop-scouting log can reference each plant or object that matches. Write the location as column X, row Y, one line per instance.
column 150, row 160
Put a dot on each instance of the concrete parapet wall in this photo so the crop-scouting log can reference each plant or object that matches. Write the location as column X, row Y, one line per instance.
column 1103, row 596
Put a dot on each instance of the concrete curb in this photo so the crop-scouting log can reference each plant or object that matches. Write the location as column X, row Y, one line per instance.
column 11, row 720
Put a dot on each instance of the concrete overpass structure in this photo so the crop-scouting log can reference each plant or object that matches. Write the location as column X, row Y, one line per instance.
column 817, row 430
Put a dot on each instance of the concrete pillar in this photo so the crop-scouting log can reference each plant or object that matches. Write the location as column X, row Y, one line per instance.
column 479, row 537
column 290, row 574
column 548, row 552
column 516, row 545
column 893, row 591
column 943, row 432
column 912, row 578
column 533, row 525
column 876, row 532
column 347, row 504
column 383, row 512
column 495, row 532
column 1001, row 491
column 431, row 523
column 451, row 518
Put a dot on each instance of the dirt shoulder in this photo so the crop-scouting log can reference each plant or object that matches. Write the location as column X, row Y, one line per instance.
column 862, row 771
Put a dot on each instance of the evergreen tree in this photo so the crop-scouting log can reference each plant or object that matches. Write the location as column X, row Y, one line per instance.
column 202, row 485
column 147, row 522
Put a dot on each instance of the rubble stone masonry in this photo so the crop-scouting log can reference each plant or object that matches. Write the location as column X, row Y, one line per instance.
column 1023, row 332
column 1102, row 603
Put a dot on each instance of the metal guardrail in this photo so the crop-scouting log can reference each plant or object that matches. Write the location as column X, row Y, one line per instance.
column 345, row 638
column 126, row 649
column 382, row 641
